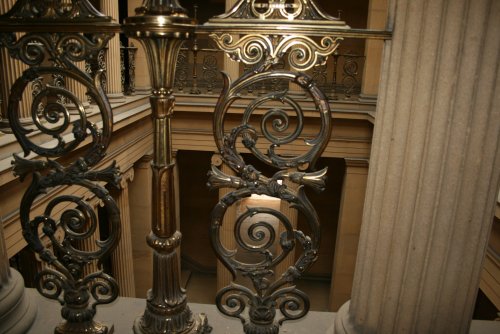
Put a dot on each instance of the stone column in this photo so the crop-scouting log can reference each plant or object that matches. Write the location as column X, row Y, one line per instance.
column 122, row 258
column 434, row 171
column 74, row 86
column 90, row 244
column 140, row 222
column 349, row 226
column 77, row 88
column 293, row 216
column 17, row 309
column 142, row 81
column 377, row 18
column 224, row 277
column 113, row 62
column 10, row 70
column 231, row 67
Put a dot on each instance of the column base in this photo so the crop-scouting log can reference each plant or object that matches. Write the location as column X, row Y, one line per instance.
column 116, row 97
column 343, row 323
column 368, row 98
column 143, row 90
column 74, row 110
column 17, row 309
column 199, row 325
column 5, row 125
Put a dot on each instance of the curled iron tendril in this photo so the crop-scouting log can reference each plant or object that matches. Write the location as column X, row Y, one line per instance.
column 67, row 220
column 280, row 117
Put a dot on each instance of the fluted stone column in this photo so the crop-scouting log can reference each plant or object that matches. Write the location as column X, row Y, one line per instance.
column 292, row 215
column 231, row 67
column 140, row 221
column 377, row 18
column 434, row 171
column 90, row 244
column 74, row 86
column 348, row 229
column 78, row 89
column 122, row 257
column 10, row 70
column 113, row 62
column 17, row 309
column 224, row 277
column 142, row 81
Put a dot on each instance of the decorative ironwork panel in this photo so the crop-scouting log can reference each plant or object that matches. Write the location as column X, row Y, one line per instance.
column 267, row 295
column 270, row 123
column 56, row 35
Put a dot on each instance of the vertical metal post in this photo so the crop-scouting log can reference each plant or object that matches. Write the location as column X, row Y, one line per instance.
column 161, row 27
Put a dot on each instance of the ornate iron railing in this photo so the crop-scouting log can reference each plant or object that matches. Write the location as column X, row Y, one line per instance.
column 340, row 77
column 127, row 65
column 265, row 36
column 54, row 36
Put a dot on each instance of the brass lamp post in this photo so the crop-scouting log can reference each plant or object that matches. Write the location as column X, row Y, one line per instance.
column 162, row 26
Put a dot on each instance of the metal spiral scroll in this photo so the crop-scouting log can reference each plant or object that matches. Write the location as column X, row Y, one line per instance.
column 257, row 308
column 67, row 220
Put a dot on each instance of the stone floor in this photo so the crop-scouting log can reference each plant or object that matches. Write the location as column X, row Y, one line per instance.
column 124, row 310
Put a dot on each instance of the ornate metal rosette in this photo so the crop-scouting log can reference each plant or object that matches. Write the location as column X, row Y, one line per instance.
column 55, row 35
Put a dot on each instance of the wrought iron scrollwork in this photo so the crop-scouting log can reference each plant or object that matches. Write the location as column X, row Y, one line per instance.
column 276, row 120
column 51, row 52
column 260, row 236
column 303, row 52
column 261, row 34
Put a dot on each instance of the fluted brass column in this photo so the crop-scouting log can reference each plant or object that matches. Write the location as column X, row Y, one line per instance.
column 162, row 26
